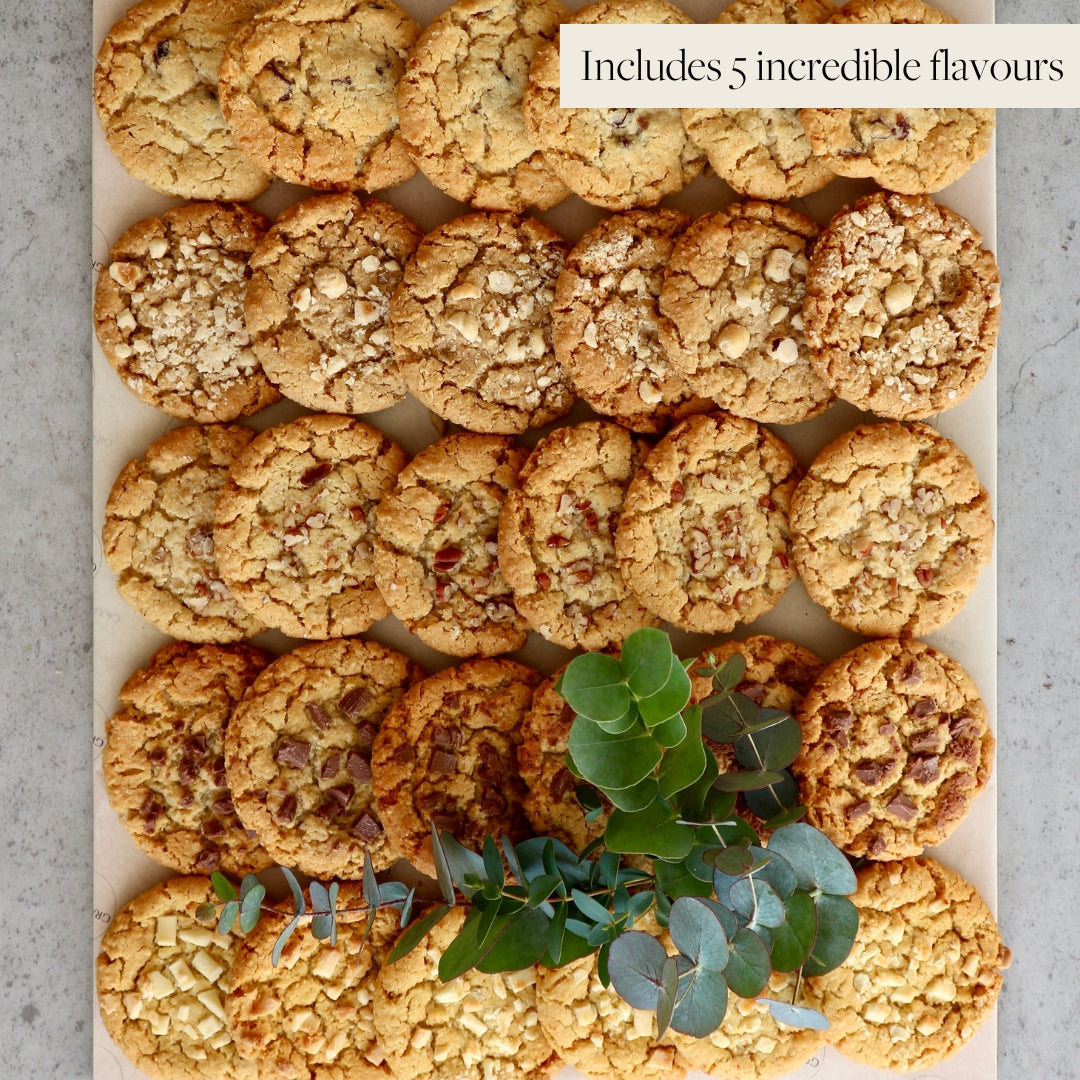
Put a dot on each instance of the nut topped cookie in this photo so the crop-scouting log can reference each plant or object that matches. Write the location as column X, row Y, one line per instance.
column 896, row 745
column 471, row 327
column 169, row 312
column 318, row 300
column 459, row 101
column 436, row 551
column 446, row 754
column 704, row 534
column 309, row 90
column 892, row 529
column 298, row 754
column 557, row 536
column 902, row 306
column 293, row 529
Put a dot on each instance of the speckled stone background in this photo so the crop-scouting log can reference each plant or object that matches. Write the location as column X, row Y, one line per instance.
column 46, row 550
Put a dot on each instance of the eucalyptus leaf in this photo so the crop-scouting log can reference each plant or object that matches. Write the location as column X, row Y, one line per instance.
column 641, row 795
column 669, row 989
column 591, row 908
column 772, row 867
column 512, row 860
column 322, row 926
column 493, row 864
column 733, row 861
column 817, row 862
column 283, row 939
column 249, row 882
column 797, row 1016
column 646, row 660
column 593, row 686
column 757, row 902
column 682, row 765
column 670, row 732
column 748, row 968
column 652, row 831
column 417, row 931
column 837, row 924
column 251, row 906
column 773, row 747
column 669, row 700
column 229, row 910
column 541, row 887
column 459, row 862
column 546, row 855
column 723, row 720
column 730, row 673
column 793, row 940
column 477, row 934
column 320, row 897
column 589, row 800
column 406, row 908
column 611, row 762
column 698, row 934
column 745, row 780
column 520, row 944
column 608, row 865
column 206, row 912
column 775, row 799
column 677, row 879
column 635, row 963
column 299, row 906
column 702, row 1002
column 223, row 887
column 787, row 817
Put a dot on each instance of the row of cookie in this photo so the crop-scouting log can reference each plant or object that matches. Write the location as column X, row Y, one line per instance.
column 341, row 96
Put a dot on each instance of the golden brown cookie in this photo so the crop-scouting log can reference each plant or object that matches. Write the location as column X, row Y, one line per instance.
column 317, row 303
column 436, row 551
column 704, row 534
column 892, row 529
column 309, row 90
column 155, row 88
column 169, row 312
column 158, row 535
column 896, row 745
column 923, row 974
column 447, row 754
column 902, row 306
column 292, row 525
column 614, row 158
column 162, row 982
column 164, row 758
column 298, row 754
column 605, row 320
column 471, row 327
column 459, row 101
column 732, row 302
column 557, row 536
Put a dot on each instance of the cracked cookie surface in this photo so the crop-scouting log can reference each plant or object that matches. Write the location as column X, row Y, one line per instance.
column 892, row 529
column 436, row 546
column 158, row 534
column 169, row 312
column 164, row 763
column 471, row 327
column 460, row 103
column 896, row 745
column 556, row 536
column 318, row 300
column 293, row 524
column 298, row 754
column 903, row 306
column 155, row 88
column 732, row 322
column 309, row 90
column 704, row 533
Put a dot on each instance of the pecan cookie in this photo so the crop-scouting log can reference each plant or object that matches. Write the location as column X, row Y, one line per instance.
column 436, row 546
column 556, row 537
column 902, row 306
column 732, row 304
column 471, row 327
column 158, row 535
column 309, row 90
column 317, row 303
column 892, row 529
column 162, row 982
column 460, row 103
column 614, row 158
column 446, row 754
column 704, row 533
column 896, row 745
column 923, row 974
column 298, row 754
column 292, row 528
column 155, row 88
column 605, row 320
column 169, row 312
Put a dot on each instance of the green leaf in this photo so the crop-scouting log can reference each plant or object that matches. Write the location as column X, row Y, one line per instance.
column 370, row 886
column 283, row 939
column 393, row 892
column 775, row 869
column 695, row 800
column 229, row 911
column 416, row 932
column 669, row 989
column 593, row 686
column 698, row 934
column 644, row 793
column 702, row 1003
column 323, row 926
column 730, row 673
column 635, row 963
column 206, row 912
column 251, row 906
column 652, row 831
column 249, row 882
column 541, row 887
column 522, row 942
column 460, row 861
column 733, row 861
column 611, row 762
column 788, row 817
column 512, row 860
column 589, row 800
column 223, row 887
column 299, row 906
column 602, row 965
column 670, row 732
column 677, row 879
column 546, row 855
column 646, row 661
column 591, row 908
column 744, row 780
column 724, row 720
column 493, row 864
column 797, row 1016
column 669, row 700
column 756, row 902
column 775, row 799
column 683, row 764
column 468, row 948
column 406, row 908
column 817, row 863
column 774, row 747
column 793, row 940
column 837, row 925
column 563, row 947
column 748, row 968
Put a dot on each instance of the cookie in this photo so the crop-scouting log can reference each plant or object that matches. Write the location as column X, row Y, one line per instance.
column 614, row 158
column 892, row 529
column 162, row 983
column 924, row 972
column 896, row 745
column 436, row 546
column 902, row 306
column 446, row 754
column 732, row 322
column 169, row 312
column 605, row 321
column 475, row 1027
column 459, row 102
column 317, row 303
column 556, row 537
column 158, row 535
column 310, row 1014
column 164, row 763
column 704, row 533
column 309, row 90
column 471, row 328
column 298, row 754
column 778, row 673
column 292, row 525
column 155, row 89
